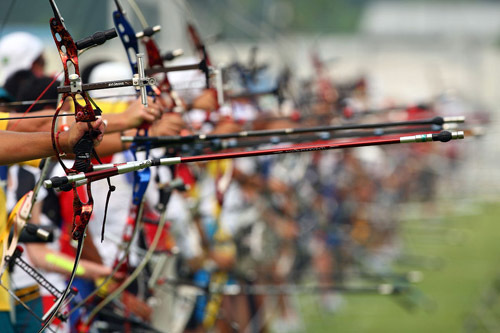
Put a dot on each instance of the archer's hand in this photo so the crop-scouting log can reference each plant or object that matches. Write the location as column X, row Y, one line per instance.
column 136, row 113
column 206, row 101
column 69, row 139
column 226, row 126
column 137, row 306
column 169, row 124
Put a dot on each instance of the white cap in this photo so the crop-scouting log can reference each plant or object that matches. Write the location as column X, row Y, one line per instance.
column 111, row 71
column 18, row 51
column 187, row 84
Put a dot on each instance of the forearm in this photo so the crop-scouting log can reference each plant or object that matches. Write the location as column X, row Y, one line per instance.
column 52, row 261
column 17, row 147
column 31, row 124
column 112, row 143
column 116, row 122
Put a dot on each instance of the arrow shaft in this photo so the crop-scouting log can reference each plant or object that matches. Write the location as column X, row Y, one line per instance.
column 316, row 138
column 287, row 131
column 156, row 70
column 109, row 170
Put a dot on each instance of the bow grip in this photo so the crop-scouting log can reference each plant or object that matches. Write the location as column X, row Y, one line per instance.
column 144, row 126
column 98, row 38
column 83, row 151
column 80, row 224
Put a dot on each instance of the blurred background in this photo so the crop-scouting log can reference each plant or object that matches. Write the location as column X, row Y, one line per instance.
column 408, row 52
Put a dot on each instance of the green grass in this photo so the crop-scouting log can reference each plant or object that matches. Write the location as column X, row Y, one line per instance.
column 456, row 289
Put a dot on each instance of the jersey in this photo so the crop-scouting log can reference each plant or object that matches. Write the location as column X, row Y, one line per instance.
column 4, row 296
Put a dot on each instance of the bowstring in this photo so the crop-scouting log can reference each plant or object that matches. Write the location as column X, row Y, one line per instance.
column 138, row 13
column 56, row 77
column 37, row 99
column 7, row 16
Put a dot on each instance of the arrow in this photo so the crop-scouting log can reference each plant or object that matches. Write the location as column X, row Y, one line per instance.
column 287, row 131
column 108, row 170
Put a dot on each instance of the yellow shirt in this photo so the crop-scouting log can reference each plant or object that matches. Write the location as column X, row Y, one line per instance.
column 110, row 107
column 3, row 123
column 4, row 296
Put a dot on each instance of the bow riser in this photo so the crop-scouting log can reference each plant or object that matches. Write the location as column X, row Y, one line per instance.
column 155, row 59
column 69, row 54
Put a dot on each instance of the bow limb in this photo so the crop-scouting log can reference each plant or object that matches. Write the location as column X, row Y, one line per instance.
column 129, row 41
column 17, row 221
column 131, row 230
column 53, row 312
column 164, row 198
column 115, row 270
column 147, row 257
column 155, row 59
column 205, row 64
column 198, row 43
column 19, row 217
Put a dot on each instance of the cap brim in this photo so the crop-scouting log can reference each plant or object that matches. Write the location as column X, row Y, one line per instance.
column 5, row 95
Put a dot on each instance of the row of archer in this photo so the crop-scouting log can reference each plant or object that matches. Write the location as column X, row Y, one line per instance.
column 264, row 187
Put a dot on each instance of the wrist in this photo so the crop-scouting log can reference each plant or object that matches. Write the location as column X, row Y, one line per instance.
column 62, row 142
